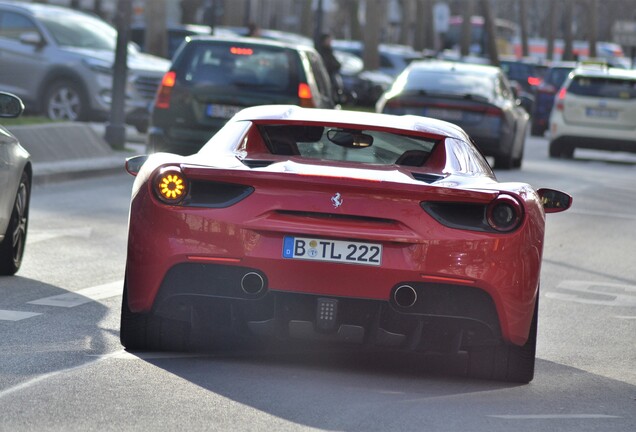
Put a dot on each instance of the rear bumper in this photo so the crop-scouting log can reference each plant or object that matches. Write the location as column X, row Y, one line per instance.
column 443, row 317
column 591, row 136
column 609, row 144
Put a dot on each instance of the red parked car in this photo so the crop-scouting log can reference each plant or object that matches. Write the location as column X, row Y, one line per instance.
column 295, row 224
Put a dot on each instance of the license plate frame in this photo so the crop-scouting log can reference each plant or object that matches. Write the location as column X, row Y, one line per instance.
column 601, row 113
column 221, row 111
column 330, row 250
column 444, row 114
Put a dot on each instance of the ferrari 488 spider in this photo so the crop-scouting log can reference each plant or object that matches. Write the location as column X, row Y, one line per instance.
column 337, row 227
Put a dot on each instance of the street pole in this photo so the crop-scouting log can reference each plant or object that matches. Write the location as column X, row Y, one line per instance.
column 115, row 133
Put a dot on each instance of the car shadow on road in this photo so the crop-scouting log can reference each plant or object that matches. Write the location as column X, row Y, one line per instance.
column 37, row 337
column 361, row 392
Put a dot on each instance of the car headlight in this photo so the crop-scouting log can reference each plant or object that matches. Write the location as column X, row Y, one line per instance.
column 99, row 66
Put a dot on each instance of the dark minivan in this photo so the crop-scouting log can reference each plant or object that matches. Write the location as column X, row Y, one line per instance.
column 212, row 78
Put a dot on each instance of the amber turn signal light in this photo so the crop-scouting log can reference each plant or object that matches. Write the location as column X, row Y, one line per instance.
column 171, row 186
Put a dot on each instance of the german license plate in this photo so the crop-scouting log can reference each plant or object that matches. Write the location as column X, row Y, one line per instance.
column 444, row 114
column 222, row 111
column 601, row 113
column 341, row 251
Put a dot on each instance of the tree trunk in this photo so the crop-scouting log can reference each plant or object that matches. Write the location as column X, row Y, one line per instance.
column 551, row 31
column 592, row 25
column 467, row 31
column 373, row 20
column 523, row 21
column 354, row 21
column 408, row 10
column 568, row 37
column 155, row 39
column 306, row 20
column 491, row 39
column 424, row 27
column 189, row 9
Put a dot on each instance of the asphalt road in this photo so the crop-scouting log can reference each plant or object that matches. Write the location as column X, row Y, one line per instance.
column 62, row 367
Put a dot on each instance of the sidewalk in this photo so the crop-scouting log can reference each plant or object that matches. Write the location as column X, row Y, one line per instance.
column 63, row 151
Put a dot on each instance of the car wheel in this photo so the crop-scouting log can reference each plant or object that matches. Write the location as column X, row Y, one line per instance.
column 537, row 130
column 506, row 362
column 12, row 246
column 561, row 150
column 505, row 161
column 148, row 332
column 65, row 100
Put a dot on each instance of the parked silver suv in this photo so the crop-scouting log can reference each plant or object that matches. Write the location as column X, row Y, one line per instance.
column 60, row 63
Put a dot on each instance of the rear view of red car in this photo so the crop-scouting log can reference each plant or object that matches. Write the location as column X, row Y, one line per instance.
column 340, row 228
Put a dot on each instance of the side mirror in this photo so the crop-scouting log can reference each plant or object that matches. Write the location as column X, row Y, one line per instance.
column 554, row 201
column 134, row 164
column 31, row 38
column 10, row 105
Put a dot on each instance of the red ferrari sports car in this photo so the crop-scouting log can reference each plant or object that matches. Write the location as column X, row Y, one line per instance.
column 335, row 226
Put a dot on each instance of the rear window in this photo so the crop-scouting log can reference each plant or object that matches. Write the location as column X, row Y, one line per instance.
column 347, row 145
column 603, row 87
column 250, row 66
column 454, row 83
column 557, row 76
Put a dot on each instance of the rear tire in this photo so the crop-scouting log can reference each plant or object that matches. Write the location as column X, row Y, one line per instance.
column 561, row 150
column 147, row 332
column 504, row 162
column 12, row 246
column 506, row 362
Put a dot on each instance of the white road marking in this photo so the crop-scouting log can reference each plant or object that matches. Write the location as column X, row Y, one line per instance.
column 82, row 296
column 597, row 293
column 36, row 236
column 9, row 315
column 604, row 214
column 554, row 416
column 625, row 317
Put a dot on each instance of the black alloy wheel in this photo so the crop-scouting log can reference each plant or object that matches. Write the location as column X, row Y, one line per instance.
column 12, row 246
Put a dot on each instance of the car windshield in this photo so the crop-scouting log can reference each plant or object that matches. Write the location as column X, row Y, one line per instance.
column 347, row 145
column 453, row 83
column 81, row 31
column 601, row 87
column 267, row 68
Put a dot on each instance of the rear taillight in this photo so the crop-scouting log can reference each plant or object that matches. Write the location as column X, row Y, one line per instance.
column 493, row 111
column 304, row 94
column 165, row 90
column 504, row 213
column 559, row 104
column 534, row 81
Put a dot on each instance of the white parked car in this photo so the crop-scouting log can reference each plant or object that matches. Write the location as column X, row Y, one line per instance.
column 595, row 109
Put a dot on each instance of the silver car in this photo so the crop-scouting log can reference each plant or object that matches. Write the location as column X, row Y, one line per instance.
column 15, row 183
column 60, row 63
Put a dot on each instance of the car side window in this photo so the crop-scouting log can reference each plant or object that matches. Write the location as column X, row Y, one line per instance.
column 13, row 25
column 320, row 75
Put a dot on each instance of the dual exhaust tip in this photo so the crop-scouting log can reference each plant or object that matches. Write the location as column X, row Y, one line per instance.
column 252, row 283
column 405, row 296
